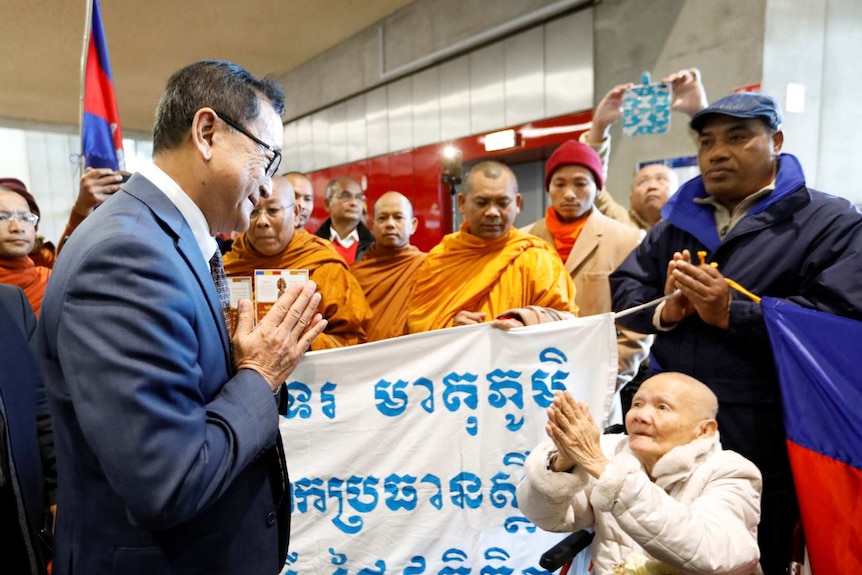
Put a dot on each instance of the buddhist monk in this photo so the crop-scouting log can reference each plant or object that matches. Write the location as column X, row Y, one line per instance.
column 304, row 193
column 388, row 269
column 488, row 266
column 17, row 237
column 270, row 243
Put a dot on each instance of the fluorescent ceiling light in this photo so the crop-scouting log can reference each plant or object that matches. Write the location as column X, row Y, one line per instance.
column 500, row 140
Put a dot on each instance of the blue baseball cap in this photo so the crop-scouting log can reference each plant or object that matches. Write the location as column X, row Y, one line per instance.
column 741, row 105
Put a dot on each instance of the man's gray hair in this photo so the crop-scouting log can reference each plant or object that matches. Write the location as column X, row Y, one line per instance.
column 344, row 181
column 223, row 86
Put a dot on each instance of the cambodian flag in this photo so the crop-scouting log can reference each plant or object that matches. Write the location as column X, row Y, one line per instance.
column 818, row 359
column 101, row 135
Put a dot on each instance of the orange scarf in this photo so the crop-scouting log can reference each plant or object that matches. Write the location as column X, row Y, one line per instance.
column 565, row 233
column 22, row 272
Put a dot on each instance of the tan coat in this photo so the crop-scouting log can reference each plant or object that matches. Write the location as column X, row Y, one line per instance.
column 602, row 246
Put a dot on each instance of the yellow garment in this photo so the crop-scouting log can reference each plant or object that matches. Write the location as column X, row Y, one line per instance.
column 465, row 272
column 342, row 301
column 387, row 276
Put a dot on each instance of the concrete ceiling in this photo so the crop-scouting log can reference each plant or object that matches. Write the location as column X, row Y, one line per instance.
column 41, row 41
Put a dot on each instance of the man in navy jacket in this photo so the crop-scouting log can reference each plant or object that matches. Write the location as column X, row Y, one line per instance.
column 753, row 216
column 28, row 474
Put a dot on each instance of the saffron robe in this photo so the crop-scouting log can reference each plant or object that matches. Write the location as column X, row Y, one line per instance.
column 388, row 276
column 342, row 302
column 466, row 272
column 33, row 279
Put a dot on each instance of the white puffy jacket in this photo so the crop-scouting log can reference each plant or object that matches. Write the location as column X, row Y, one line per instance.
column 700, row 515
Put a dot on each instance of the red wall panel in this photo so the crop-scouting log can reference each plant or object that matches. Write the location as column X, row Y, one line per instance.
column 416, row 173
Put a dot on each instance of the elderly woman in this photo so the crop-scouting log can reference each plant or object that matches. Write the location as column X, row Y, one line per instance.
column 666, row 497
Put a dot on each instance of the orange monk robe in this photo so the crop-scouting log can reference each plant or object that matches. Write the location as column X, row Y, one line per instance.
column 342, row 301
column 22, row 272
column 387, row 276
column 45, row 256
column 465, row 272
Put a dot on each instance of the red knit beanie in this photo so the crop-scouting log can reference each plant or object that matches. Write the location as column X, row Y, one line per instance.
column 17, row 186
column 571, row 153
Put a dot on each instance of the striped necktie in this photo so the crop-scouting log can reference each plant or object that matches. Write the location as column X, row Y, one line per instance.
column 220, row 281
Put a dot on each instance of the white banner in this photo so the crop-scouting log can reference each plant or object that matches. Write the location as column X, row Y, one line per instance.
column 404, row 454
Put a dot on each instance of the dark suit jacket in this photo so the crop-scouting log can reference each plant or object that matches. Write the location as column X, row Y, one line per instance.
column 25, row 428
column 167, row 456
column 366, row 238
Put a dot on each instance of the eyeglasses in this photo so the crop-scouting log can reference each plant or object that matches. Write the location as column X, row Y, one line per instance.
column 347, row 196
column 271, row 213
column 274, row 162
column 22, row 217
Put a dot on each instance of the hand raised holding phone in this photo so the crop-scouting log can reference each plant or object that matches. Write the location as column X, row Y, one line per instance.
column 97, row 184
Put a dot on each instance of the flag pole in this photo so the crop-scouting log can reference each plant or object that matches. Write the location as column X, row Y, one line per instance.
column 88, row 24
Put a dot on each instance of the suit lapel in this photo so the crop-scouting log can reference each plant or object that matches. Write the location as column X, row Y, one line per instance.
column 174, row 223
column 586, row 244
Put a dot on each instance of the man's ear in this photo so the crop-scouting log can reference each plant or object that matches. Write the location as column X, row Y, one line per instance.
column 519, row 203
column 777, row 141
column 326, row 204
column 414, row 225
column 707, row 428
column 462, row 199
column 203, row 131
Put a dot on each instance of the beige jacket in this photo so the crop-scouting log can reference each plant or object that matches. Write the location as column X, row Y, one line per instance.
column 602, row 246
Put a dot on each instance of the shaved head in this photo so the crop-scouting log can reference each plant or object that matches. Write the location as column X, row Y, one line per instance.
column 273, row 219
column 393, row 222
column 669, row 410
column 490, row 201
column 304, row 192
column 699, row 398
column 651, row 188
column 394, row 199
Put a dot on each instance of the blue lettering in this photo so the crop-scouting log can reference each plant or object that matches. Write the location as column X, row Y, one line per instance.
column 401, row 492
column 466, row 490
column 514, row 524
column 381, row 569
column 298, row 396
column 327, row 398
column 305, row 489
column 436, row 499
column 391, row 403
column 416, row 567
column 502, row 491
column 455, row 392
column 427, row 403
column 496, row 554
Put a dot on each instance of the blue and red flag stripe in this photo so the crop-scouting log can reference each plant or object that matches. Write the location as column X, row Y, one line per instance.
column 102, row 136
column 817, row 356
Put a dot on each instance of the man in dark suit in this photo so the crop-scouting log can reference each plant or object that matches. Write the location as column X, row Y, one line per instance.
column 166, row 427
column 28, row 474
